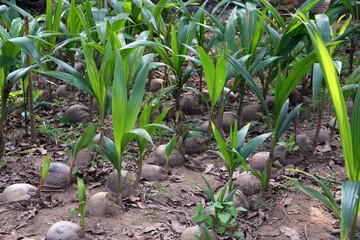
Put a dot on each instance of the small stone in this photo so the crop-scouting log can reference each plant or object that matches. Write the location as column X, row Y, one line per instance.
column 231, row 97
column 304, row 142
column 208, row 210
column 229, row 119
column 332, row 122
column 18, row 192
column 196, row 145
column 280, row 152
column 176, row 159
column 189, row 105
column 57, row 175
column 259, row 160
column 289, row 172
column 204, row 127
column 171, row 113
column 61, row 91
column 83, row 159
column 248, row 184
column 79, row 66
column 295, row 97
column 190, row 233
column 77, row 114
column 270, row 102
column 109, row 134
column 153, row 173
column 324, row 135
column 156, row 84
column 102, row 204
column 250, row 113
column 291, row 159
column 63, row 230
column 239, row 199
column 349, row 107
column 95, row 105
column 59, row 69
column 124, row 185
column 155, row 115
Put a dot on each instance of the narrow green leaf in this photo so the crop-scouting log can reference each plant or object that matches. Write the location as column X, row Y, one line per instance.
column 253, row 144
column 332, row 82
column 81, row 190
column 170, row 146
column 222, row 145
column 45, row 168
column 349, row 205
column 84, row 140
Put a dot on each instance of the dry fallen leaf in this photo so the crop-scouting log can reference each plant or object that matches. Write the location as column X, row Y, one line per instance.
column 324, row 148
column 291, row 233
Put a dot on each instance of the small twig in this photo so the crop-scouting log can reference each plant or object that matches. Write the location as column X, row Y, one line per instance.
column 283, row 220
column 305, row 232
column 248, row 223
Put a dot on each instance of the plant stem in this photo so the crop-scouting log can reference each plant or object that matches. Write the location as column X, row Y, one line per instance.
column 2, row 122
column 200, row 73
column 319, row 116
column 271, row 160
column 102, row 127
column 139, row 170
column 30, row 89
column 71, row 169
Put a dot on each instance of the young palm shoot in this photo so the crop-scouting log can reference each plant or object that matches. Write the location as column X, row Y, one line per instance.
column 235, row 155
column 85, row 141
column 126, row 106
column 142, row 142
column 44, row 172
column 215, row 81
column 81, row 209
column 169, row 148
column 10, row 54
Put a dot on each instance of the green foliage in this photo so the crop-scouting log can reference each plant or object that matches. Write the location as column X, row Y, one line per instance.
column 169, row 148
column 81, row 209
column 215, row 76
column 45, row 168
column 235, row 155
column 290, row 145
column 85, row 141
column 331, row 78
column 224, row 219
column 44, row 172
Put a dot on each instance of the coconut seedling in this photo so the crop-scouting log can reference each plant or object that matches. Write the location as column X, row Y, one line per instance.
column 98, row 81
column 144, row 122
column 349, row 130
column 215, row 81
column 44, row 172
column 236, row 153
column 169, row 148
column 11, row 71
column 126, row 105
column 84, row 141
column 81, row 209
column 172, row 50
